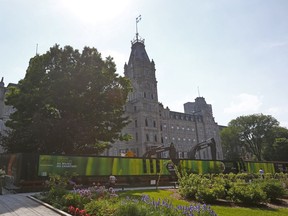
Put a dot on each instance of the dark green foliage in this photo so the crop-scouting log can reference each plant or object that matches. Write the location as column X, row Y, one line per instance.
column 278, row 151
column 240, row 188
column 68, row 102
column 57, row 189
column 249, row 134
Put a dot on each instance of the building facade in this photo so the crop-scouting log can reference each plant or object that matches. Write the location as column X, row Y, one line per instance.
column 152, row 125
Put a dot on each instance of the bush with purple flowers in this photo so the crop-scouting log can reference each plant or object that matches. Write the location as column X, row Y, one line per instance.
column 147, row 206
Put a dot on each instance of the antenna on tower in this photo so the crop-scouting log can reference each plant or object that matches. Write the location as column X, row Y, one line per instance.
column 37, row 49
column 198, row 91
column 137, row 20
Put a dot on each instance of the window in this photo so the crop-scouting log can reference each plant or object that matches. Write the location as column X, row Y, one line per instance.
column 155, row 138
column 144, row 94
column 185, row 155
column 136, row 124
column 146, row 122
column 154, row 124
column 135, row 108
column 136, row 136
column 147, row 137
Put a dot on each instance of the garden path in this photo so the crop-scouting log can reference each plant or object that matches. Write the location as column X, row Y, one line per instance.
column 21, row 204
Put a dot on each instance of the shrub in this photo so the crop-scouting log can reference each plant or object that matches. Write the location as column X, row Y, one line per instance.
column 102, row 207
column 209, row 191
column 206, row 188
column 273, row 189
column 132, row 208
column 74, row 199
column 188, row 185
column 247, row 193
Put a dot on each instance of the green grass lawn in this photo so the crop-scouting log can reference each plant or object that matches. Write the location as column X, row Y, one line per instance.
column 220, row 210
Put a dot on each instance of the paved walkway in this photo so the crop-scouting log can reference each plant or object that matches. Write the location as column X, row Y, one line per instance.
column 21, row 204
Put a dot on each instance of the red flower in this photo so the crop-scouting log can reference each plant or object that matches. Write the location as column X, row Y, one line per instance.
column 71, row 209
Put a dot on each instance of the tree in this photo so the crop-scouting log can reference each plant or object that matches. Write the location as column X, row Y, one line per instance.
column 68, row 102
column 254, row 132
column 278, row 151
column 231, row 144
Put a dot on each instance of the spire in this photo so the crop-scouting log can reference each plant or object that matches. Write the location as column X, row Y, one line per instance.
column 138, row 52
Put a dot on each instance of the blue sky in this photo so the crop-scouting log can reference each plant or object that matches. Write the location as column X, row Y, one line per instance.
column 234, row 51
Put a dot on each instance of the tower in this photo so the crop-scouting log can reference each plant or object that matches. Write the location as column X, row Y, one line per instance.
column 151, row 125
column 142, row 106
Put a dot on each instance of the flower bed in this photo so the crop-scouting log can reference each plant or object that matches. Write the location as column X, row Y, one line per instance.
column 97, row 200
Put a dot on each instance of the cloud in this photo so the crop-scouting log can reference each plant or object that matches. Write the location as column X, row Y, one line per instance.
column 244, row 103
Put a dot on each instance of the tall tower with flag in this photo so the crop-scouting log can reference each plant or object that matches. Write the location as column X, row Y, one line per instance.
column 142, row 106
column 151, row 124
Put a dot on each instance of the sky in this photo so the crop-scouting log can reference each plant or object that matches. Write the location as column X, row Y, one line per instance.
column 234, row 53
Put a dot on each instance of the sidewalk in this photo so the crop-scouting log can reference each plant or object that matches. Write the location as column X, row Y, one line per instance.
column 20, row 204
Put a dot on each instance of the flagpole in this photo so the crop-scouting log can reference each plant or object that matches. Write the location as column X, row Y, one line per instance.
column 137, row 20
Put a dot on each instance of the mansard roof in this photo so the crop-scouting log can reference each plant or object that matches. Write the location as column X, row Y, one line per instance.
column 138, row 52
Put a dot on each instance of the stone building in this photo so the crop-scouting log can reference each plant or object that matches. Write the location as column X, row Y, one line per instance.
column 152, row 125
